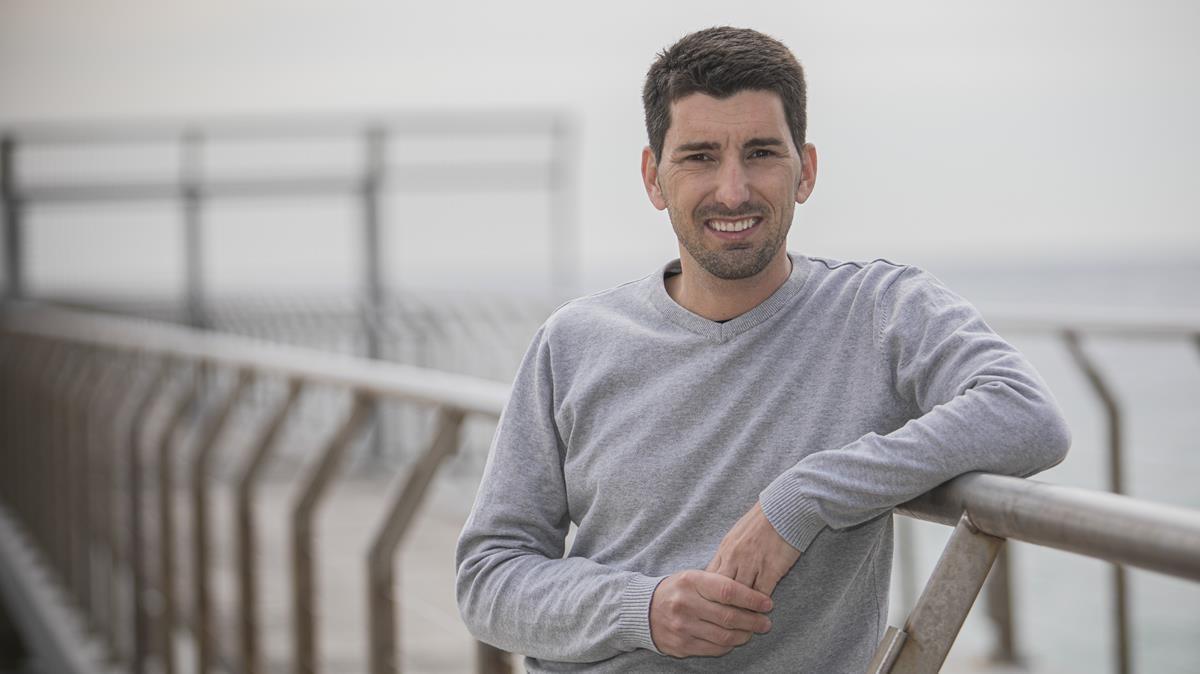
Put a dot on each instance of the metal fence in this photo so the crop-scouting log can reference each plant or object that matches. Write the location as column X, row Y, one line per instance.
column 83, row 466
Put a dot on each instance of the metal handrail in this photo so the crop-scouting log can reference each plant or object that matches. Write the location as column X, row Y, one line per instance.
column 985, row 509
column 1070, row 325
column 1120, row 529
column 60, row 335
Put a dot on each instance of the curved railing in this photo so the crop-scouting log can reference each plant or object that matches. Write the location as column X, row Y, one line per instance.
column 78, row 390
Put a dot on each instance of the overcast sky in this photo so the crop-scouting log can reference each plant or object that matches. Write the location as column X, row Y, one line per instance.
column 984, row 133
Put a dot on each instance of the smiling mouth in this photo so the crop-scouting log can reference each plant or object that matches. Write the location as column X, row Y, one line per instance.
column 732, row 226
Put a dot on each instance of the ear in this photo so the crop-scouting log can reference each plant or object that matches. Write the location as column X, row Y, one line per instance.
column 808, row 172
column 650, row 179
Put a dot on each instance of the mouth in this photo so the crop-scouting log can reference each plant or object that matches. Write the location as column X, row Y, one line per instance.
column 733, row 229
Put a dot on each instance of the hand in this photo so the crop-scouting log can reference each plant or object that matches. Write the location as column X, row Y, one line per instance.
column 700, row 613
column 753, row 553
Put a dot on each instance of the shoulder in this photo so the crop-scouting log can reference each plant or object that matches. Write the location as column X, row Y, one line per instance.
column 607, row 312
column 874, row 278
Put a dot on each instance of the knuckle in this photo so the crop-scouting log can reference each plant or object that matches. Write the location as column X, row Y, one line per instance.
column 728, row 618
column 726, row 593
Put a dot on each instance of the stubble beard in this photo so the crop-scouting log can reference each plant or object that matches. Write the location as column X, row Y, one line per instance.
column 727, row 263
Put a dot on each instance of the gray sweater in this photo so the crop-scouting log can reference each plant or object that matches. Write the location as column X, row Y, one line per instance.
column 853, row 388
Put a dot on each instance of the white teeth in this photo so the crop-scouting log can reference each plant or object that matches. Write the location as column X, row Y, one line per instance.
column 735, row 226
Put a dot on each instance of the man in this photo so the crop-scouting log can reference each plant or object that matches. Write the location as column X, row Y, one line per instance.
column 730, row 434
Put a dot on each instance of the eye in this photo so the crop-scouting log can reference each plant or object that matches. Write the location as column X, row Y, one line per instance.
column 699, row 156
column 761, row 153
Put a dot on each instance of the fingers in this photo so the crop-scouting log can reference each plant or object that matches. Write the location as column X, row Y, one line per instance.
column 767, row 580
column 698, row 613
column 732, row 618
column 722, row 638
column 727, row 591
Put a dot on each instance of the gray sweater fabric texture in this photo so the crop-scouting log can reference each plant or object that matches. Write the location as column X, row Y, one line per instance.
column 851, row 389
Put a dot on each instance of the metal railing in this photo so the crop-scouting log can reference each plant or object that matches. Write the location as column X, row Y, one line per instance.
column 985, row 510
column 1071, row 328
column 79, row 391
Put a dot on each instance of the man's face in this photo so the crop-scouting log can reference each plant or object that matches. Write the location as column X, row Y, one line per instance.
column 730, row 176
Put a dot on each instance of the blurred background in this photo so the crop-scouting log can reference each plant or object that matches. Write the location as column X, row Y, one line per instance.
column 424, row 183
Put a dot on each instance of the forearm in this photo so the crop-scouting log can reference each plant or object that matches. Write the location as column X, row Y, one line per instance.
column 992, row 428
column 981, row 404
column 571, row 609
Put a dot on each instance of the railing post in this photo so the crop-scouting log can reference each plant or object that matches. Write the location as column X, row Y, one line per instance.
column 249, row 473
column 169, row 609
column 55, row 503
column 191, row 177
column 303, row 513
column 1116, row 484
column 201, row 467
column 101, row 410
column 78, row 461
column 934, row 623
column 998, row 595
column 137, row 552
column 10, row 210
column 375, row 147
column 406, row 499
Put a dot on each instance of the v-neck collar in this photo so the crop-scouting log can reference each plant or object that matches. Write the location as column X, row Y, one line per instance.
column 718, row 331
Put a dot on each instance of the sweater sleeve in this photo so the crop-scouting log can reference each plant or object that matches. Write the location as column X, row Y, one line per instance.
column 515, row 590
column 982, row 407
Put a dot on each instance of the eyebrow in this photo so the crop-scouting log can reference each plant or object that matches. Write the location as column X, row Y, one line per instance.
column 709, row 146
column 765, row 142
column 701, row 146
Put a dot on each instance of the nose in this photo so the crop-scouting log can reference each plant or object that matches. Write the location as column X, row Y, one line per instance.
column 733, row 188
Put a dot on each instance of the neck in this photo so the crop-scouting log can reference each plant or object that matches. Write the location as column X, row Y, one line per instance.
column 719, row 299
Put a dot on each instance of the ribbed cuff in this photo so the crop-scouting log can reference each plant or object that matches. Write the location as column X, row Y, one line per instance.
column 792, row 514
column 633, row 623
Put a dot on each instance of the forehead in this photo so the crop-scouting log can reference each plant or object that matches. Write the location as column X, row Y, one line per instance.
column 747, row 114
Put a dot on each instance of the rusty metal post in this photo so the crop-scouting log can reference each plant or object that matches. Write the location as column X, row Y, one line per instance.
column 101, row 411
column 383, row 650
column 17, row 408
column 142, row 389
column 375, row 146
column 10, row 211
column 1116, row 484
column 492, row 660
column 55, row 504
column 998, row 597
column 191, row 177
column 934, row 623
column 247, row 577
column 78, row 484
column 303, row 512
column 136, row 543
column 9, row 419
column 201, row 467
column 36, row 424
column 169, row 609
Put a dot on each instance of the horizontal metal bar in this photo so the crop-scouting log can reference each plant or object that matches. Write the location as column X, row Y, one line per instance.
column 464, row 122
column 1116, row 528
column 403, row 179
column 1137, row 323
column 375, row 378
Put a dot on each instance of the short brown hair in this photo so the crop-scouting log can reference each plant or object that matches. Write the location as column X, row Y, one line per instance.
column 721, row 62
